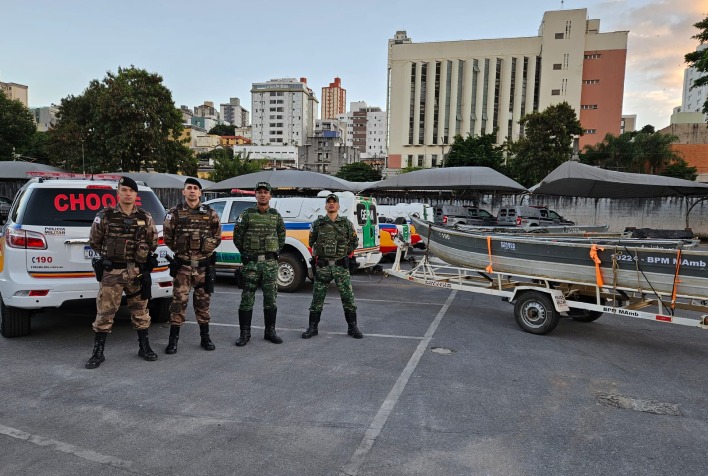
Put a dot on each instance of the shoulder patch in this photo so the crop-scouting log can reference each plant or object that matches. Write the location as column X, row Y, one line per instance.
column 98, row 218
column 168, row 216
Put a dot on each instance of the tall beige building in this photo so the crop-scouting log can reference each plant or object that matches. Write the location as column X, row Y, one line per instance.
column 334, row 100
column 439, row 90
column 15, row 91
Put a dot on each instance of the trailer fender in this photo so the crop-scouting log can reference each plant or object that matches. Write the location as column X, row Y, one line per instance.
column 556, row 296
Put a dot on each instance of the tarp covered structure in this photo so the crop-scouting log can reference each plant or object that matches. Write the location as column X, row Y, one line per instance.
column 17, row 169
column 573, row 179
column 284, row 179
column 451, row 178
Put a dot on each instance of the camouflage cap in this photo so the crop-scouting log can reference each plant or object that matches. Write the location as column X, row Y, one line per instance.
column 332, row 196
column 264, row 185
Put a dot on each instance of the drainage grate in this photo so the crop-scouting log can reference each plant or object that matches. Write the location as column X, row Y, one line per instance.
column 639, row 405
column 441, row 351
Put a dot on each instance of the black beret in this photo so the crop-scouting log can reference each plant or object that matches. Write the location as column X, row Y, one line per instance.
column 193, row 181
column 127, row 182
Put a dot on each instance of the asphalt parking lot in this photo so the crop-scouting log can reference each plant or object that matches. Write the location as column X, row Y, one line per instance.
column 442, row 383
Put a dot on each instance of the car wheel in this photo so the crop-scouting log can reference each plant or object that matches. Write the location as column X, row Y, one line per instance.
column 14, row 322
column 291, row 273
column 159, row 309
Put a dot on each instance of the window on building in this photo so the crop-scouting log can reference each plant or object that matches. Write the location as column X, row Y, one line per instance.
column 588, row 106
column 421, row 160
column 592, row 56
column 559, row 36
column 556, row 66
column 591, row 131
column 591, row 81
column 434, row 160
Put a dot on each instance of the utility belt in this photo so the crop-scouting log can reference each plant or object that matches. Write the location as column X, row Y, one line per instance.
column 249, row 257
column 322, row 263
column 109, row 265
column 195, row 263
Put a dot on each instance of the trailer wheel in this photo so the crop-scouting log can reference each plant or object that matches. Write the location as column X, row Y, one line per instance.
column 585, row 315
column 535, row 313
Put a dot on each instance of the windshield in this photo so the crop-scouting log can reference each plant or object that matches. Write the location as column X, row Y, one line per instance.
column 78, row 207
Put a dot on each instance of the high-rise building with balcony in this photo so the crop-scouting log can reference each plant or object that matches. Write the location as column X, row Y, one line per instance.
column 334, row 100
column 284, row 112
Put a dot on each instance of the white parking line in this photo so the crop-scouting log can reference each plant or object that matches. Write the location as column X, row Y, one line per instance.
column 67, row 448
column 359, row 457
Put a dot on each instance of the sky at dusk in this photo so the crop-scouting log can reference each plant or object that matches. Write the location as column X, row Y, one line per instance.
column 211, row 51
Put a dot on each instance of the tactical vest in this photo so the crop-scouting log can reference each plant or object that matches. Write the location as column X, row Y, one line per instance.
column 191, row 229
column 262, row 233
column 332, row 239
column 125, row 238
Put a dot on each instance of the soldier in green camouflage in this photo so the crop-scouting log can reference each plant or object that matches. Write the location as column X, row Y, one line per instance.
column 259, row 235
column 333, row 240
column 192, row 231
column 124, row 236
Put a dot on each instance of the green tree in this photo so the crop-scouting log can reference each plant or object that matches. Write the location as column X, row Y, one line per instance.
column 227, row 165
column 410, row 168
column 478, row 151
column 699, row 59
column 636, row 152
column 126, row 122
column 36, row 148
column 222, row 130
column 16, row 126
column 679, row 168
column 358, row 172
column 547, row 142
column 649, row 129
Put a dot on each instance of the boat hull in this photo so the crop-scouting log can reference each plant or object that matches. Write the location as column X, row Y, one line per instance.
column 623, row 264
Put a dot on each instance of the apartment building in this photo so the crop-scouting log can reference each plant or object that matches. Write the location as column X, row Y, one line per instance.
column 284, row 112
column 45, row 117
column 693, row 99
column 208, row 111
column 334, row 100
column 441, row 89
column 234, row 113
column 15, row 91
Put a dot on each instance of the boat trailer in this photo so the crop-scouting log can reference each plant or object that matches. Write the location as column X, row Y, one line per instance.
column 540, row 300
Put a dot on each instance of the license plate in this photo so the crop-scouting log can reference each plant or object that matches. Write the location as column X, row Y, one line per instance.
column 89, row 253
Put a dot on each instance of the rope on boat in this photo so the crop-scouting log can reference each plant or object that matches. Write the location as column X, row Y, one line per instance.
column 658, row 296
column 676, row 279
column 596, row 259
column 489, row 268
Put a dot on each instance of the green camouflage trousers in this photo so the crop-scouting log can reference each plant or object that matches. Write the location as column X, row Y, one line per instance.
column 109, row 295
column 187, row 278
column 264, row 273
column 343, row 281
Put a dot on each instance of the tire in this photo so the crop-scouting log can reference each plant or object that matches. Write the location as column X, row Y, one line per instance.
column 291, row 273
column 585, row 315
column 14, row 322
column 159, row 309
column 535, row 313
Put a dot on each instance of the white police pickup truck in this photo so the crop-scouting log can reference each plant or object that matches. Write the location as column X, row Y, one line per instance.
column 45, row 257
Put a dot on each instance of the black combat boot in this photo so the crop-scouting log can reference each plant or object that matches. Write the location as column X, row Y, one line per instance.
column 144, row 346
column 206, row 343
column 244, row 322
column 269, row 316
column 99, row 342
column 353, row 329
column 312, row 329
column 172, row 343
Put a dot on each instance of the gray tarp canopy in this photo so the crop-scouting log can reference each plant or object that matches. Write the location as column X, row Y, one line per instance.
column 160, row 180
column 574, row 179
column 451, row 178
column 17, row 169
column 284, row 179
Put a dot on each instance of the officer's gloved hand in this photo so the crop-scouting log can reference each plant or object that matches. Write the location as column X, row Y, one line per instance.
column 209, row 245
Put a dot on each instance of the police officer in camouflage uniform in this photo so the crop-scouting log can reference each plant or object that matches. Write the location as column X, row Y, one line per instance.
column 192, row 231
column 333, row 240
column 124, row 236
column 259, row 235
